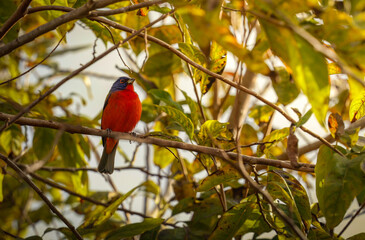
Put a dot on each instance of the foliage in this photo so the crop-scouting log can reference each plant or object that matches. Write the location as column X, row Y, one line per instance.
column 188, row 67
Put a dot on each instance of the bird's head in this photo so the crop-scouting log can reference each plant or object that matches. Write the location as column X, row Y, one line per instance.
column 121, row 84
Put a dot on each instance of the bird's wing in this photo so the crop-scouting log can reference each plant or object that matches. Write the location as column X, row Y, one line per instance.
column 105, row 103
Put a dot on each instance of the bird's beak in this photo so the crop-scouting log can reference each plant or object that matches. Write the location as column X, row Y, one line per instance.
column 131, row 80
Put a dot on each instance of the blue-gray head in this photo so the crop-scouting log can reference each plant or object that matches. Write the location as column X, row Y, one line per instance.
column 121, row 84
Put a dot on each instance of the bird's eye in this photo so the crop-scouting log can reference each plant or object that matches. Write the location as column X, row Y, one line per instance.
column 121, row 81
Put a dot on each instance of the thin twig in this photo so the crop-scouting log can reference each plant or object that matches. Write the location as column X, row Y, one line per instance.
column 22, row 174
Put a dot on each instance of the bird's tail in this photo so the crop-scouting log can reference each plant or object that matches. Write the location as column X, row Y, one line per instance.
column 106, row 164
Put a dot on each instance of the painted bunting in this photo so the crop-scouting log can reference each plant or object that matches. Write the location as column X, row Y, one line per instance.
column 121, row 112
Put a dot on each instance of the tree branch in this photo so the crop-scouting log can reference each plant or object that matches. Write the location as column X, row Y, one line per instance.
column 152, row 140
column 314, row 146
column 18, row 14
column 217, row 76
column 75, row 14
column 41, row 195
column 67, row 169
column 77, row 71
column 233, row 84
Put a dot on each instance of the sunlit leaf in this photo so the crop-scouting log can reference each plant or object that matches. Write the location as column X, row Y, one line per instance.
column 214, row 129
column 101, row 214
column 179, row 117
column 163, row 157
column 261, row 113
column 162, row 64
column 170, row 34
column 309, row 67
column 305, row 118
column 11, row 140
column 165, row 97
column 333, row 68
column 357, row 107
column 194, row 108
column 336, row 125
column 284, row 86
column 217, row 30
column 223, row 175
column 338, row 181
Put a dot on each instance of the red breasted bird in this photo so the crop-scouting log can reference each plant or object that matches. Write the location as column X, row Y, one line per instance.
column 121, row 112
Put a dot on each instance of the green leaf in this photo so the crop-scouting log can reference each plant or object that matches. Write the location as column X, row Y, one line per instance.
column 197, row 56
column 359, row 236
column 161, row 64
column 134, row 229
column 261, row 113
column 11, row 140
column 150, row 234
column 163, row 157
column 184, row 205
column 73, row 156
column 284, row 87
column 357, row 107
column 165, row 97
column 102, row 214
column 179, row 117
column 213, row 129
column 223, row 175
column 6, row 10
column 232, row 220
column 271, row 139
column 43, row 142
column 170, row 33
column 255, row 222
column 305, row 118
column 1, row 185
column 218, row 30
column 194, row 108
column 283, row 186
column 309, row 68
column 175, row 233
column 102, row 32
column 338, row 181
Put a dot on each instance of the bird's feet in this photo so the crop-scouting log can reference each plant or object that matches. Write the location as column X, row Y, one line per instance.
column 108, row 131
column 133, row 134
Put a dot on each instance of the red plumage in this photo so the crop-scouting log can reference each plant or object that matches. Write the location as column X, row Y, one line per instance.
column 122, row 111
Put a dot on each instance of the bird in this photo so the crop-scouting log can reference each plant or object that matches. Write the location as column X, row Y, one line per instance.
column 121, row 112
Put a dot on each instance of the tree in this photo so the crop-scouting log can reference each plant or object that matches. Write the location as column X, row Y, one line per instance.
column 247, row 174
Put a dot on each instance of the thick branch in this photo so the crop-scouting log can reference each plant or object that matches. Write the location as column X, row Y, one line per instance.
column 157, row 141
